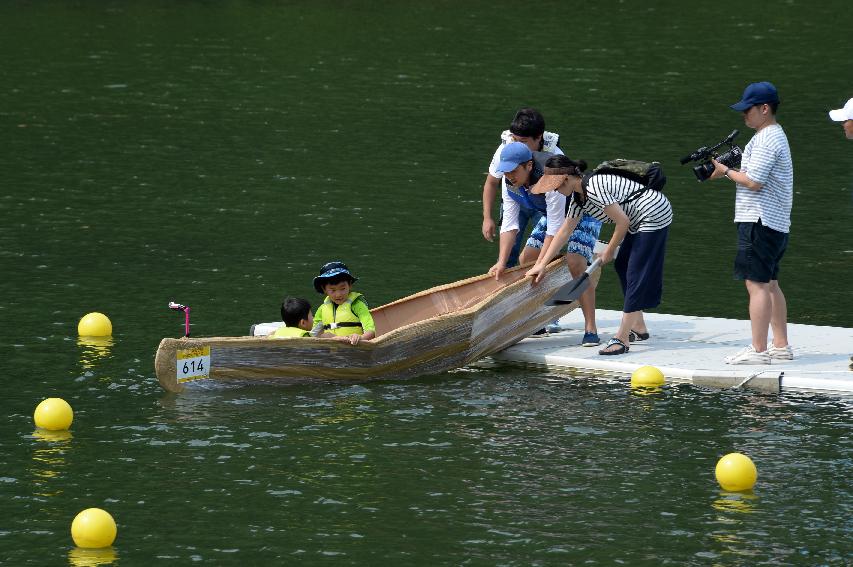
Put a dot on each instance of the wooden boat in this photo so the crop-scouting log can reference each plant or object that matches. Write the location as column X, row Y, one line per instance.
column 435, row 330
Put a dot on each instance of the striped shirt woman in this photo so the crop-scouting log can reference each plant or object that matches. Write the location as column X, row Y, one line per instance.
column 642, row 218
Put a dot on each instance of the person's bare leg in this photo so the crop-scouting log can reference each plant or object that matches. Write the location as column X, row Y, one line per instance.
column 640, row 324
column 778, row 315
column 528, row 254
column 629, row 320
column 760, row 308
column 577, row 266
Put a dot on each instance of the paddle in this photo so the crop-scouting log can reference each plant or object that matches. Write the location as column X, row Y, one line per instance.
column 575, row 288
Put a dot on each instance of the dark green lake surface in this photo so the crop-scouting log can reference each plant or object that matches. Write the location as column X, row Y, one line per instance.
column 217, row 153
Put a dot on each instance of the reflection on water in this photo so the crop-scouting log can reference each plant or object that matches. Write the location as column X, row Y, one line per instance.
column 646, row 390
column 354, row 413
column 80, row 557
column 732, row 537
column 192, row 405
column 482, row 462
column 49, row 459
column 52, row 436
column 735, row 502
column 93, row 350
column 347, row 409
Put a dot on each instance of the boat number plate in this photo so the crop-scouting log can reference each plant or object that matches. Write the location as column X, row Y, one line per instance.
column 193, row 364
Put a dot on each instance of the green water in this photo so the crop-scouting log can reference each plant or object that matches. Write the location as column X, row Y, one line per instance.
column 217, row 153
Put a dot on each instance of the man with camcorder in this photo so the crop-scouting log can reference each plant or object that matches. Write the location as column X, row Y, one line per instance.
column 763, row 198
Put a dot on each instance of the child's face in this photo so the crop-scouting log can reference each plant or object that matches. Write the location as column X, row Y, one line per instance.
column 307, row 324
column 337, row 292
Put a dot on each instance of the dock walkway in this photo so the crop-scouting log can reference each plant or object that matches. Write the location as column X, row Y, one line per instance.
column 691, row 349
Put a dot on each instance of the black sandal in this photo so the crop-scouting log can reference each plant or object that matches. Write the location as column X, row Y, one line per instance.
column 623, row 348
column 635, row 337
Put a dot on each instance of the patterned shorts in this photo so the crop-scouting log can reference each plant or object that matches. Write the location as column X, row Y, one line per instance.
column 581, row 242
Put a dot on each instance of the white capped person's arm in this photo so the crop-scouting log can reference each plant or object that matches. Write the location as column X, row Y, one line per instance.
column 509, row 230
column 490, row 191
column 511, row 208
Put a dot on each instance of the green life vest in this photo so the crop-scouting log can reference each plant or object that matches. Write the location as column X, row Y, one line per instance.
column 339, row 319
column 285, row 332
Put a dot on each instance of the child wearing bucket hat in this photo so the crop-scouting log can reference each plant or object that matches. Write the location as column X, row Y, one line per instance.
column 344, row 313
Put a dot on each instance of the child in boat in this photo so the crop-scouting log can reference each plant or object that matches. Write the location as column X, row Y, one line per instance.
column 298, row 321
column 344, row 313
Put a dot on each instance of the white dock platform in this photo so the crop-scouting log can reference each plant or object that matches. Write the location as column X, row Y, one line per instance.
column 691, row 349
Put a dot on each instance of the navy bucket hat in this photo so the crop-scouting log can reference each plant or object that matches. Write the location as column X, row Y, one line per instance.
column 332, row 270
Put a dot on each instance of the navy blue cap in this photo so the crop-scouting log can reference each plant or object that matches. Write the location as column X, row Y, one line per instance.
column 757, row 93
column 512, row 155
column 331, row 270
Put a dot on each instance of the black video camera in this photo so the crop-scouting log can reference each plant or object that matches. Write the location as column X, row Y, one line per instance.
column 703, row 155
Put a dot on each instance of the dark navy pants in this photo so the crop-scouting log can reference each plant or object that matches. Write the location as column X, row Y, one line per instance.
column 640, row 269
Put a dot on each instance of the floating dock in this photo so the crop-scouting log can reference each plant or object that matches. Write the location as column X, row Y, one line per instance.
column 691, row 350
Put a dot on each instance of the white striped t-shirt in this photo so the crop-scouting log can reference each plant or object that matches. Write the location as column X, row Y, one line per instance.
column 649, row 212
column 767, row 160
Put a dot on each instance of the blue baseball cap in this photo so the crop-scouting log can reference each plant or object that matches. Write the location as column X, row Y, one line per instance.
column 329, row 271
column 512, row 155
column 757, row 93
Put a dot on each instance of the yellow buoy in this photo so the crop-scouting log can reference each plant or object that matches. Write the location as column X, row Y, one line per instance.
column 647, row 376
column 94, row 325
column 53, row 414
column 736, row 472
column 93, row 528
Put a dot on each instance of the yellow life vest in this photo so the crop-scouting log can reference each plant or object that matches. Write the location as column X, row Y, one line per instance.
column 285, row 332
column 339, row 319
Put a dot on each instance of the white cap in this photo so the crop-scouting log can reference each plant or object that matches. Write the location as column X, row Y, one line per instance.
column 843, row 114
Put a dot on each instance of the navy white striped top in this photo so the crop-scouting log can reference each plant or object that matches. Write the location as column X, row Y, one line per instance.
column 649, row 212
column 767, row 160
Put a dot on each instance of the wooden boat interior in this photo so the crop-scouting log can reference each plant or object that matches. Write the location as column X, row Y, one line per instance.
column 442, row 300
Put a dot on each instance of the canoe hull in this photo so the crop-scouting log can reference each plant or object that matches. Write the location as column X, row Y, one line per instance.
column 514, row 309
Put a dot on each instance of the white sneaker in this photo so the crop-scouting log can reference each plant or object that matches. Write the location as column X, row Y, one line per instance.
column 748, row 355
column 781, row 353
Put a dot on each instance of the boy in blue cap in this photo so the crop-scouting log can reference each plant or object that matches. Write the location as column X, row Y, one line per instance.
column 521, row 169
column 344, row 313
